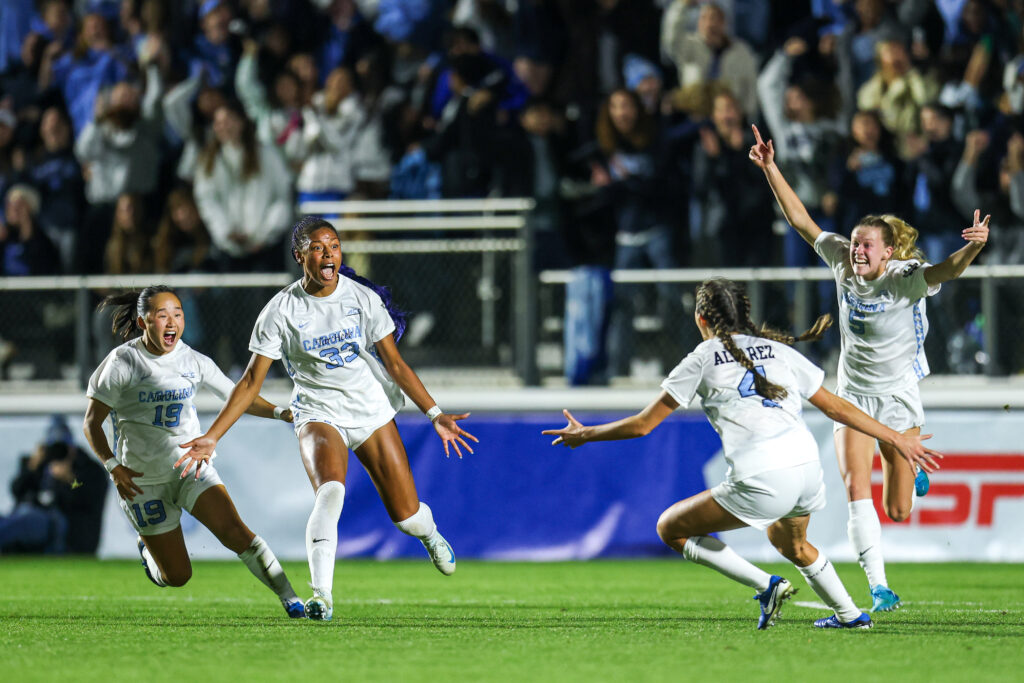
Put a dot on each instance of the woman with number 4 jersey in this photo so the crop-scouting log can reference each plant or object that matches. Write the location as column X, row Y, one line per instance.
column 750, row 384
column 146, row 386
column 882, row 280
column 323, row 328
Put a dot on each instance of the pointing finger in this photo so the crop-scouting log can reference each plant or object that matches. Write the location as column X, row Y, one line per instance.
column 757, row 134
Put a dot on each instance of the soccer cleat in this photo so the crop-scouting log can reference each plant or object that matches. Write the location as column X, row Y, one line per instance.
column 145, row 565
column 318, row 608
column 779, row 590
column 441, row 554
column 863, row 621
column 921, row 483
column 884, row 600
column 295, row 609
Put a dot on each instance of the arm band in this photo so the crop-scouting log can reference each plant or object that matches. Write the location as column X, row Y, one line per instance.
column 278, row 411
column 110, row 464
column 434, row 413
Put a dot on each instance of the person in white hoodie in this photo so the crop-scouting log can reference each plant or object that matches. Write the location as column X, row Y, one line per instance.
column 243, row 191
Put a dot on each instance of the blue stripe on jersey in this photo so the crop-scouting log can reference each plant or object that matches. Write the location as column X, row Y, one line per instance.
column 919, row 336
column 117, row 434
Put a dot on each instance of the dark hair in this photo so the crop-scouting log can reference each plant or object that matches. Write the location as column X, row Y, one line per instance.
column 300, row 241
column 609, row 138
column 250, row 146
column 724, row 304
column 130, row 305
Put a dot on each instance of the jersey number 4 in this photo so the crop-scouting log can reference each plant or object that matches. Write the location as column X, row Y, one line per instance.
column 746, row 387
column 334, row 358
column 171, row 417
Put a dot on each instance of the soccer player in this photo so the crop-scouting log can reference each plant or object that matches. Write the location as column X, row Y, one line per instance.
column 323, row 327
column 146, row 386
column 882, row 281
column 750, row 383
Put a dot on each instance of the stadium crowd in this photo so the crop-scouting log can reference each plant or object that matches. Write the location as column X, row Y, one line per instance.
column 168, row 136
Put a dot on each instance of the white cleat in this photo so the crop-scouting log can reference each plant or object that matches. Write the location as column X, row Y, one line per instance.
column 319, row 607
column 441, row 554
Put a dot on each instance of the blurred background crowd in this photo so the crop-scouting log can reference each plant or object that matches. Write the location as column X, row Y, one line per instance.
column 160, row 136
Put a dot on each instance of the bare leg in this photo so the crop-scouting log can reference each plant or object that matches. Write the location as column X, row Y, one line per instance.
column 383, row 456
column 324, row 453
column 171, row 556
column 897, row 482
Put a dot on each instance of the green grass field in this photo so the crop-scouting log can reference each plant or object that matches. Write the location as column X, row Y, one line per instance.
column 80, row 620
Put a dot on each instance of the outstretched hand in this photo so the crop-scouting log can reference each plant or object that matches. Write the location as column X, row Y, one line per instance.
column 200, row 451
column 761, row 153
column 452, row 433
column 977, row 233
column 916, row 453
column 570, row 435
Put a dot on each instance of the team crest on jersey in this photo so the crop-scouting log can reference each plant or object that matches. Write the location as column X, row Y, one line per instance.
column 909, row 269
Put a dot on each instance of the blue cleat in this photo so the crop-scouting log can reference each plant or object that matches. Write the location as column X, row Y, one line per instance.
column 884, row 600
column 863, row 621
column 145, row 565
column 295, row 609
column 779, row 590
column 921, row 483
column 319, row 608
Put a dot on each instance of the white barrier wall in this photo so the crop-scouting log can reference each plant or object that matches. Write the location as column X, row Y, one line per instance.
column 975, row 511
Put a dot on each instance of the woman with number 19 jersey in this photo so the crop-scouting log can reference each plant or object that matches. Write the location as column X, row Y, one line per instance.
column 882, row 282
column 147, row 386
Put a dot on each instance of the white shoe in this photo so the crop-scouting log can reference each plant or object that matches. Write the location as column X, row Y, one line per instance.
column 319, row 607
column 441, row 554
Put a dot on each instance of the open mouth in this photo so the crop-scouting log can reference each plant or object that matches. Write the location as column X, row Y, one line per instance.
column 327, row 271
column 860, row 261
column 169, row 337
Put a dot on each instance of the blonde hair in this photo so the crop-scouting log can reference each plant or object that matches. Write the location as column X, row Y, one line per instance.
column 896, row 233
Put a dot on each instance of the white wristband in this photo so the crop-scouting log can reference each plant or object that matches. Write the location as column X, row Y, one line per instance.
column 278, row 411
column 434, row 413
column 110, row 464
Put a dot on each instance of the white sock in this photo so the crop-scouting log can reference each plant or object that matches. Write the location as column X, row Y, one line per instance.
column 154, row 568
column 711, row 552
column 260, row 560
column 322, row 536
column 421, row 524
column 822, row 578
column 865, row 533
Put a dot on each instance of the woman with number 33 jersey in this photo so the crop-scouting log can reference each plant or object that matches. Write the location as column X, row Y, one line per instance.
column 323, row 328
column 882, row 281
column 146, row 386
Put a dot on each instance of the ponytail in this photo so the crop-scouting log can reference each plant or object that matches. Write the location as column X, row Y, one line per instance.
column 128, row 307
column 896, row 233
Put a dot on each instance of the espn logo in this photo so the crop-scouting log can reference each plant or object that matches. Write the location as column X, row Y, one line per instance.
column 964, row 491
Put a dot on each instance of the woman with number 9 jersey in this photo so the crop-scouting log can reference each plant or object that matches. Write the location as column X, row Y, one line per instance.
column 146, row 386
column 882, row 281
column 323, row 328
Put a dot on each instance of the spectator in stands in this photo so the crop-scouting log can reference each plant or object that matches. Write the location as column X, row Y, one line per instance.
column 376, row 137
column 857, row 48
column 215, row 50
column 897, row 91
column 278, row 119
column 540, row 38
column 57, row 175
column 710, row 56
column 150, row 39
column 120, row 150
column 128, row 251
column 26, row 248
column 935, row 154
column 733, row 211
column 94, row 63
column 496, row 75
column 182, row 243
column 869, row 176
column 491, row 21
column 805, row 139
column 243, row 190
column 10, row 155
column 304, row 67
column 188, row 109
column 643, row 78
column 327, row 139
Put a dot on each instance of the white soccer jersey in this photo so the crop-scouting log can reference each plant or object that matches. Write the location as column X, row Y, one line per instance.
column 882, row 321
column 325, row 343
column 150, row 400
column 758, row 435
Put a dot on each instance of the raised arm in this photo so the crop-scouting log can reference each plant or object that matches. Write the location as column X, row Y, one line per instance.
column 763, row 156
column 404, row 376
column 95, row 413
column 247, row 389
column 909, row 445
column 575, row 434
column 957, row 262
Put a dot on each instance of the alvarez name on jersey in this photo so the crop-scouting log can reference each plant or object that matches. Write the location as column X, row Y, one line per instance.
column 150, row 401
column 882, row 321
column 326, row 343
column 757, row 434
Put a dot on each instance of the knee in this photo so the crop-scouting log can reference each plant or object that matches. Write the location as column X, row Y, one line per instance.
column 668, row 532
column 898, row 512
column 178, row 577
column 796, row 551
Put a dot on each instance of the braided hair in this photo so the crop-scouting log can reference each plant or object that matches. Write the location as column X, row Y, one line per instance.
column 305, row 227
column 128, row 307
column 726, row 307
